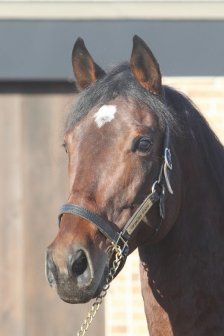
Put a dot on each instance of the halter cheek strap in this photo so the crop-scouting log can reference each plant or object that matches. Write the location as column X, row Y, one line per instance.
column 120, row 237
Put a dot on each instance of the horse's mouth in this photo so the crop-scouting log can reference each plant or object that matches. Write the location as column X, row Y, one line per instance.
column 75, row 296
column 69, row 292
column 75, row 299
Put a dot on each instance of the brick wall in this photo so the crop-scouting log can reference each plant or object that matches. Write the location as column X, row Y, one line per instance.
column 208, row 95
column 124, row 312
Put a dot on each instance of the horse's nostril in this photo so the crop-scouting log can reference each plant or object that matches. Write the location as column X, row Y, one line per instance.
column 79, row 264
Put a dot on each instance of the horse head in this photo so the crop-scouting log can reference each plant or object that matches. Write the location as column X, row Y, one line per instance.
column 119, row 146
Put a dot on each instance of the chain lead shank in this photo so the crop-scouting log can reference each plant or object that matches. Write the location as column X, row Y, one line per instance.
column 99, row 299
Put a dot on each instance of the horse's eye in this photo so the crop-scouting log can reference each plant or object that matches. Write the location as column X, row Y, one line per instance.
column 143, row 145
column 65, row 147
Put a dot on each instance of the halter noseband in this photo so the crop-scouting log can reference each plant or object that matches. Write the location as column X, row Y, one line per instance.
column 121, row 237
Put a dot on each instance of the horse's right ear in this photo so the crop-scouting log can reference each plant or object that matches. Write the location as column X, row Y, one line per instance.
column 145, row 67
column 85, row 69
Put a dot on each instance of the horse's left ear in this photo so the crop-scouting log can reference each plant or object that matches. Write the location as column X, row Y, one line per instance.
column 85, row 69
column 145, row 67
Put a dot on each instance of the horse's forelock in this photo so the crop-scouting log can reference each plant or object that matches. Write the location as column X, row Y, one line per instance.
column 118, row 82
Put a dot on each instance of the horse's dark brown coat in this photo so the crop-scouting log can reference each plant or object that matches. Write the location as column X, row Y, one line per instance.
column 182, row 267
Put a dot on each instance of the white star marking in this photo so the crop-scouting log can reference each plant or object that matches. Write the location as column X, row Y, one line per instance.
column 105, row 114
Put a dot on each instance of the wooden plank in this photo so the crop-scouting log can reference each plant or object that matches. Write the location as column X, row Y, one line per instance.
column 34, row 179
column 11, row 219
column 45, row 182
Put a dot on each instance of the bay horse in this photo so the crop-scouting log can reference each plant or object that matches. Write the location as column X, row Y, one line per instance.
column 147, row 172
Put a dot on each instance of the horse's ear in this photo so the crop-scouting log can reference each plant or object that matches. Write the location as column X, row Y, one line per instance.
column 145, row 67
column 85, row 69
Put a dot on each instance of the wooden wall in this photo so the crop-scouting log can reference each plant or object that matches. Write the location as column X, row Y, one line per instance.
column 33, row 182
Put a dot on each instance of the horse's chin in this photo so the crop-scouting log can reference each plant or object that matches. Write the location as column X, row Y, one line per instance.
column 70, row 293
column 77, row 299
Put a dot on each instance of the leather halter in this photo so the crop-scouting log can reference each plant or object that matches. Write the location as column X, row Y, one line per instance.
column 109, row 230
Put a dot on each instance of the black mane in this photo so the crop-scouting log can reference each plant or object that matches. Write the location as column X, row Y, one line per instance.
column 201, row 137
column 178, row 112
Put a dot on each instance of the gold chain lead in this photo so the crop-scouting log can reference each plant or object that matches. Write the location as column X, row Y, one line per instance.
column 99, row 299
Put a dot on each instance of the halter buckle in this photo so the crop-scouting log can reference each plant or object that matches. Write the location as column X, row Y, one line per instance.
column 122, row 243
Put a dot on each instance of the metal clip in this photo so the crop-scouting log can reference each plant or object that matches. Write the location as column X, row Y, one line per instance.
column 123, row 245
column 168, row 166
column 168, row 158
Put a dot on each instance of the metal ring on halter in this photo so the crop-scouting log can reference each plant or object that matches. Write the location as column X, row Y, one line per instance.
column 161, row 186
column 122, row 243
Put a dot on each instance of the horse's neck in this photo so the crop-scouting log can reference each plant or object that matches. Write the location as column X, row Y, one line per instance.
column 201, row 217
column 182, row 276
